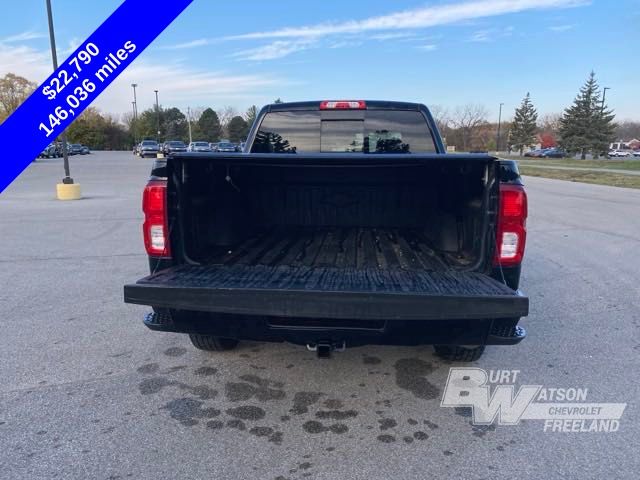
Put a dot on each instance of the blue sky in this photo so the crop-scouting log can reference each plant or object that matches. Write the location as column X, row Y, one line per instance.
column 445, row 53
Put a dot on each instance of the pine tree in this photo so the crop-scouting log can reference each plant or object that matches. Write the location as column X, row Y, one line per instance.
column 209, row 126
column 523, row 128
column 238, row 129
column 587, row 125
column 251, row 114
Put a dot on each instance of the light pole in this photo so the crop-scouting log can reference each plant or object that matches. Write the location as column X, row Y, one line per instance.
column 604, row 96
column 158, row 114
column 499, row 122
column 54, row 57
column 135, row 114
column 189, row 121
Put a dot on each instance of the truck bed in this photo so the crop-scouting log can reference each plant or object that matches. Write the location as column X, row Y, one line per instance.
column 358, row 248
column 309, row 284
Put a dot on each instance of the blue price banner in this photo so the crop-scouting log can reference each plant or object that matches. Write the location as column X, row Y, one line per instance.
column 80, row 79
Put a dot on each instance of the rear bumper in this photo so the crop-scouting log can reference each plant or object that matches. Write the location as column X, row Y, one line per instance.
column 351, row 333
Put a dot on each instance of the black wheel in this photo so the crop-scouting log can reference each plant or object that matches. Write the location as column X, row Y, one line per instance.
column 211, row 343
column 459, row 353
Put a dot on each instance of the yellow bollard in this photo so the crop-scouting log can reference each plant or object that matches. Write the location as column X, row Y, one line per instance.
column 68, row 191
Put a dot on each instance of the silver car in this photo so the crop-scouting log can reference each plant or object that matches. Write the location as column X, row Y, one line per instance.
column 199, row 147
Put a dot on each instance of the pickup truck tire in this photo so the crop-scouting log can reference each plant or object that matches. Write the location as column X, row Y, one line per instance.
column 458, row 353
column 211, row 343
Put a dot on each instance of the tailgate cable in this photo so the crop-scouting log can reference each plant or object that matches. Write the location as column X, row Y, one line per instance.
column 230, row 180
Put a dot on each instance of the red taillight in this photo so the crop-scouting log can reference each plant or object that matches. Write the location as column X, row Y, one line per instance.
column 343, row 105
column 155, row 230
column 512, row 225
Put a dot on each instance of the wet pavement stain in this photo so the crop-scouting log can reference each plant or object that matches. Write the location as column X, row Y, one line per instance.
column 481, row 430
column 247, row 412
column 336, row 414
column 371, row 360
column 386, row 438
column 431, row 425
column 463, row 411
column 313, row 426
column 447, row 453
column 387, row 423
column 188, row 410
column 419, row 435
column 333, row 404
column 175, row 351
column 407, row 439
column 253, row 386
column 303, row 400
column 261, row 431
column 205, row 371
column 153, row 385
column 148, row 368
column 410, row 373
column 215, row 424
column 237, row 424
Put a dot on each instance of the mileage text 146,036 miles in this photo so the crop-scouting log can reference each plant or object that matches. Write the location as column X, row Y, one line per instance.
column 79, row 95
column 63, row 79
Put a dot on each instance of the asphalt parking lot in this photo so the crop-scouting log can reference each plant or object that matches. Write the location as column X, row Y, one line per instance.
column 87, row 391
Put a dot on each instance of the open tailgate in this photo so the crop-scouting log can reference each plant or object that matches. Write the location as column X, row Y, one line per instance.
column 306, row 292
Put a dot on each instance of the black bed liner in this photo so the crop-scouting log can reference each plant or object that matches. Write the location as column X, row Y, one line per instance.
column 358, row 248
column 329, row 292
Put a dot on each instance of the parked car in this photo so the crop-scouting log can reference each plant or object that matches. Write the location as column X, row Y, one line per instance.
column 84, row 150
column 50, row 151
column 301, row 240
column 226, row 147
column 75, row 149
column 173, row 146
column 538, row 153
column 554, row 153
column 199, row 147
column 619, row 153
column 636, row 153
column 148, row 148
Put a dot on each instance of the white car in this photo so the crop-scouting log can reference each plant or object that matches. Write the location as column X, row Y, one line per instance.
column 619, row 153
column 199, row 147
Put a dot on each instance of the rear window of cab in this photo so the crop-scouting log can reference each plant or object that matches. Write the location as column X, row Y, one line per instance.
column 369, row 131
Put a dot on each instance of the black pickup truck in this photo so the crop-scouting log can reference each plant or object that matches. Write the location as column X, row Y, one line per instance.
column 342, row 223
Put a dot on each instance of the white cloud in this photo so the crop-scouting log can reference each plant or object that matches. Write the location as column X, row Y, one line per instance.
column 34, row 65
column 346, row 44
column 393, row 36
column 179, row 84
column 192, row 44
column 481, row 36
column 423, row 17
column 491, row 34
column 274, row 50
column 23, row 36
column 428, row 48
column 561, row 28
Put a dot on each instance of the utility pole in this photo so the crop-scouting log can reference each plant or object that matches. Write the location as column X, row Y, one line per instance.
column 499, row 122
column 54, row 57
column 189, row 121
column 158, row 114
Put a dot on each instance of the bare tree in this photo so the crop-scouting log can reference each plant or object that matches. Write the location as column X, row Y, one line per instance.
column 225, row 115
column 550, row 123
column 467, row 119
column 441, row 117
